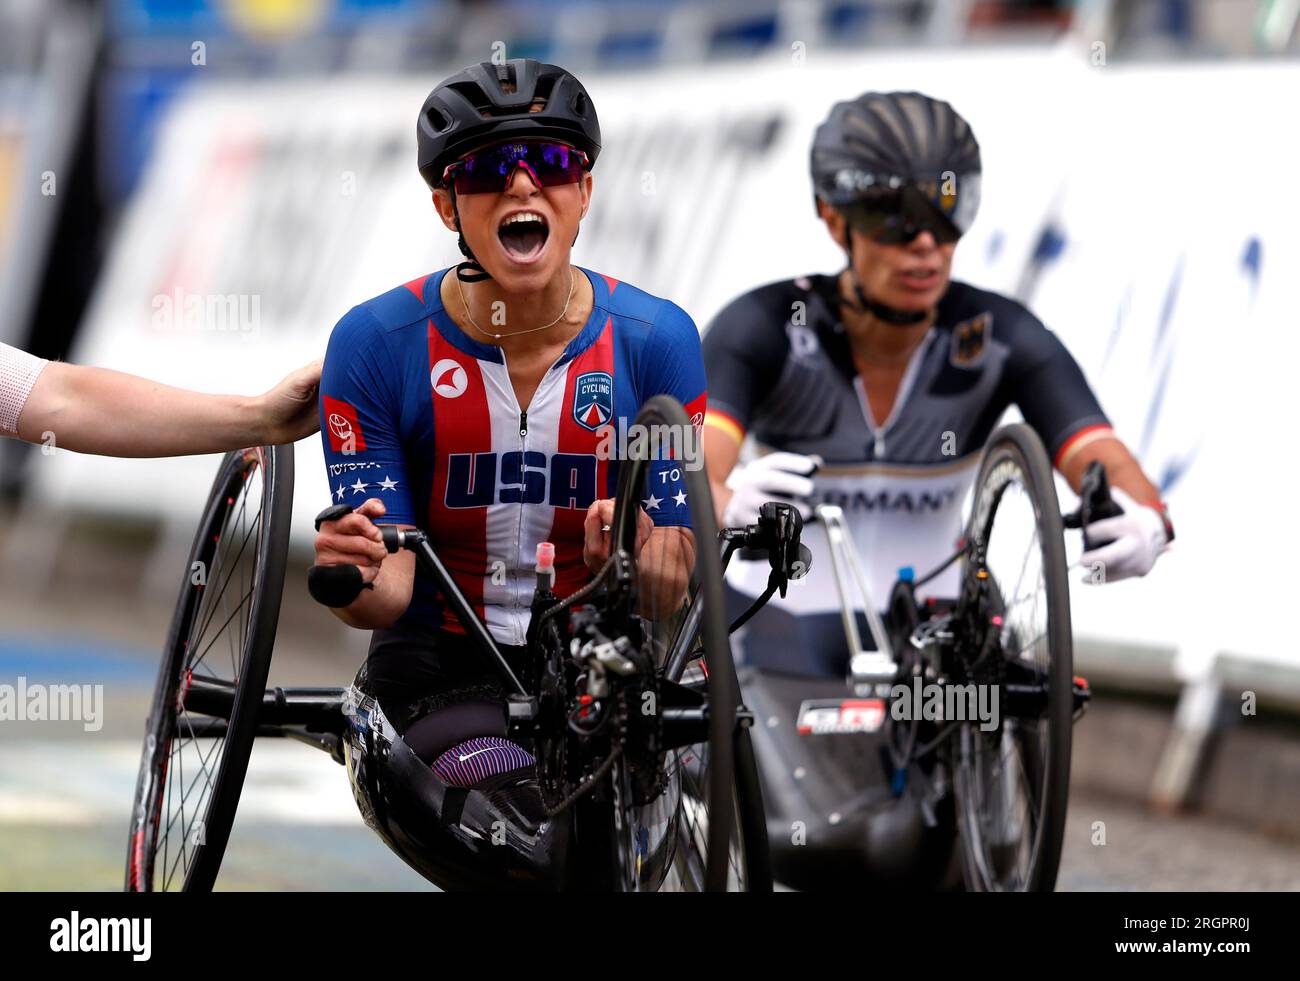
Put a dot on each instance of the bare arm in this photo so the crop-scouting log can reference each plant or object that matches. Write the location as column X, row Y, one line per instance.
column 665, row 557
column 665, row 566
column 1122, row 469
column 380, row 607
column 721, row 451
column 95, row 410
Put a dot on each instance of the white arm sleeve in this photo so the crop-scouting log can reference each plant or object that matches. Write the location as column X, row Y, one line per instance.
column 18, row 373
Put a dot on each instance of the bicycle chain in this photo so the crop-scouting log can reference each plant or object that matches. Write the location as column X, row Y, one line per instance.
column 587, row 786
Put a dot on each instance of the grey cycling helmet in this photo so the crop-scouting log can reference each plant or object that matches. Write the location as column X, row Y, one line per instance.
column 897, row 163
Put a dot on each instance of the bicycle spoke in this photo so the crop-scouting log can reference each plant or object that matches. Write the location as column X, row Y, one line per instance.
column 243, row 545
column 223, row 626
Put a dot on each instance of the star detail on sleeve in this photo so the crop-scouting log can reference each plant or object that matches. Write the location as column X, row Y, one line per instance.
column 680, row 498
column 651, row 503
column 359, row 487
column 387, row 483
column 340, row 491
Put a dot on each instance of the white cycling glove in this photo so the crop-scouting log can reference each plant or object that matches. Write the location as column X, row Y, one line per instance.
column 784, row 477
column 1139, row 536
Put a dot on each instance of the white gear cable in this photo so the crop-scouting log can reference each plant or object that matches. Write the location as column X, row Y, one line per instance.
column 784, row 477
column 18, row 373
column 1136, row 539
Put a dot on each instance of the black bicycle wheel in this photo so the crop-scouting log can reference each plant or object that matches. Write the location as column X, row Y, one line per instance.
column 1011, row 781
column 717, row 777
column 749, row 868
column 213, row 675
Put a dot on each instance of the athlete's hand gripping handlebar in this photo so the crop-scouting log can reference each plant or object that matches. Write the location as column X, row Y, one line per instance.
column 340, row 585
column 1095, row 504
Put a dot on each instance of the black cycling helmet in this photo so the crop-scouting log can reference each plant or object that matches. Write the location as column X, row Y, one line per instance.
column 487, row 103
column 916, row 147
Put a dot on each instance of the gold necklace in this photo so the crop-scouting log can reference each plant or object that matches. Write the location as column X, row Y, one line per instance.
column 461, row 289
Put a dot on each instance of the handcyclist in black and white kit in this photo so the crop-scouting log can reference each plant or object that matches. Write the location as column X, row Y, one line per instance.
column 875, row 390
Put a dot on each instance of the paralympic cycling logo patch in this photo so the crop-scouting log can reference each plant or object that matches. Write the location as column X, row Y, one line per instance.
column 593, row 399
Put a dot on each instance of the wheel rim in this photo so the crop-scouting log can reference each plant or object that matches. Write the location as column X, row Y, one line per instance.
column 717, row 785
column 690, row 861
column 213, row 645
column 1004, row 775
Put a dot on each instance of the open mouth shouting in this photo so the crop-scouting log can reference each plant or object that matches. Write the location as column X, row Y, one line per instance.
column 523, row 235
column 921, row 279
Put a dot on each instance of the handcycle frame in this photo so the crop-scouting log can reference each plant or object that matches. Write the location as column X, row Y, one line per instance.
column 870, row 669
column 318, row 716
column 963, row 641
column 314, row 715
column 327, row 718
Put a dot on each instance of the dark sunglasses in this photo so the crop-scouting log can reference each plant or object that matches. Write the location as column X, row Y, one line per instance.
column 489, row 170
column 896, row 216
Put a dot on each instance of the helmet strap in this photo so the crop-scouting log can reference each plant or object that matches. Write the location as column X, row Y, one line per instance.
column 465, row 271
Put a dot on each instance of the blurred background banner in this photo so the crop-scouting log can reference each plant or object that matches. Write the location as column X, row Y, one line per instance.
column 269, row 209
column 197, row 190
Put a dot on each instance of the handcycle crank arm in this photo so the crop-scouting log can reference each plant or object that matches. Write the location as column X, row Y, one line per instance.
column 864, row 666
column 416, row 541
column 340, row 585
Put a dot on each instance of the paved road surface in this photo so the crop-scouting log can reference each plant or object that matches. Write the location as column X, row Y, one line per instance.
column 65, row 793
column 63, row 808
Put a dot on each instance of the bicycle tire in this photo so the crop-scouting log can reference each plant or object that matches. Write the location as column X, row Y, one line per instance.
column 1016, row 450
column 732, row 776
column 152, row 792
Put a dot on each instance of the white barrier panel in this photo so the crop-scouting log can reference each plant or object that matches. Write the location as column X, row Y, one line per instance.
column 302, row 200
column 1174, row 289
column 276, row 207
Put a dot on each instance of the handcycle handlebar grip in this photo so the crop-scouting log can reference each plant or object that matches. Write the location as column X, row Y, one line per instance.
column 333, row 513
column 339, row 585
column 1096, row 489
column 335, row 585
column 1095, row 504
column 394, row 538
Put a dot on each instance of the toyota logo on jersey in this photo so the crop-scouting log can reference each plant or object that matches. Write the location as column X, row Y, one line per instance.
column 342, row 427
column 339, row 426
column 593, row 399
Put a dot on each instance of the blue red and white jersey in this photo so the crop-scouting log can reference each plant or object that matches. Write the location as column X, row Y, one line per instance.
column 423, row 416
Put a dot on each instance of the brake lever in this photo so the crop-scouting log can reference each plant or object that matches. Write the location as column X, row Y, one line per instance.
column 1095, row 504
column 778, row 532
